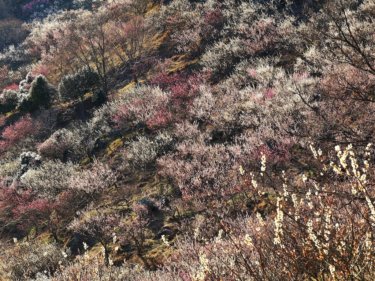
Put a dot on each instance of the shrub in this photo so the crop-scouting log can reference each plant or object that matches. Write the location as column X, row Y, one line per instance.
column 102, row 122
column 135, row 109
column 8, row 100
column 49, row 179
column 143, row 153
column 22, row 211
column 75, row 86
column 32, row 214
column 19, row 131
column 80, row 140
column 41, row 94
column 59, row 145
column 94, row 180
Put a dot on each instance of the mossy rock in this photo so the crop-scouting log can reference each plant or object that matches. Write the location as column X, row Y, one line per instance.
column 159, row 252
column 114, row 146
column 85, row 161
column 126, row 89
column 180, row 62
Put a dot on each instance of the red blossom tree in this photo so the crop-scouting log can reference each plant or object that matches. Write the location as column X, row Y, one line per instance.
column 12, row 87
column 13, row 134
column 22, row 210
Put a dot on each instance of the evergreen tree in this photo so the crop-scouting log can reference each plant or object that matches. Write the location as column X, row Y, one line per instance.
column 75, row 86
column 41, row 94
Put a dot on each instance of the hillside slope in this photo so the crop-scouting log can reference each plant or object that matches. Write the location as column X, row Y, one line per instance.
column 187, row 140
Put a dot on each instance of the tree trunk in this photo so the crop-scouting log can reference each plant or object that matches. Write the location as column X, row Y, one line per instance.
column 106, row 255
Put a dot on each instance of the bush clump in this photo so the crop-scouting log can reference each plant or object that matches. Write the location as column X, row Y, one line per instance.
column 8, row 101
column 40, row 95
column 75, row 86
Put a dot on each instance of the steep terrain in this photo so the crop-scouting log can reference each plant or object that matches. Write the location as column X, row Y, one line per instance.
column 187, row 140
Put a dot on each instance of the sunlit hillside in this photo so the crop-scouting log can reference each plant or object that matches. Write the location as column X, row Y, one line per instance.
column 187, row 140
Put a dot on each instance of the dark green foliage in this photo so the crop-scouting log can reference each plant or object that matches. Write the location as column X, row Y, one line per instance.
column 85, row 4
column 41, row 92
column 75, row 86
column 40, row 95
column 8, row 101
